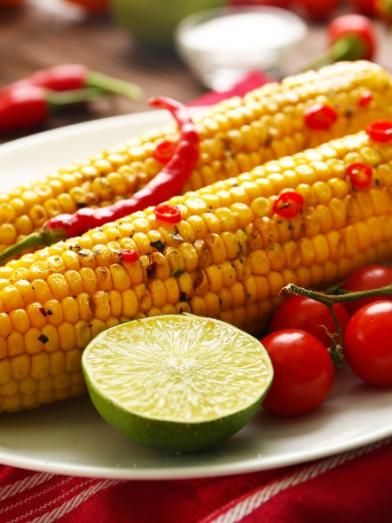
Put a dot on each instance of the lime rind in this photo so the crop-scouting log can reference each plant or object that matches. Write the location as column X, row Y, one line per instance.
column 177, row 382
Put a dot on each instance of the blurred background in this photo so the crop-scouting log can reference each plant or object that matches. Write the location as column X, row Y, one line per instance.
column 140, row 42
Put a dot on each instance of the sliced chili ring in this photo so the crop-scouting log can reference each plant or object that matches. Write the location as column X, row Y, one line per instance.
column 380, row 131
column 361, row 175
column 320, row 117
column 365, row 99
column 289, row 204
column 129, row 255
column 167, row 213
column 164, row 151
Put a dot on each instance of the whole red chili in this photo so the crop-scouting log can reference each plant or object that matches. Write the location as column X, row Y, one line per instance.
column 129, row 255
column 164, row 151
column 29, row 105
column 365, row 99
column 68, row 77
column 361, row 175
column 288, row 204
column 163, row 186
column 320, row 117
column 380, row 131
column 167, row 213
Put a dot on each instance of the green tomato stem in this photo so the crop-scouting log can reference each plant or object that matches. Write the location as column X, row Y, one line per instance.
column 330, row 299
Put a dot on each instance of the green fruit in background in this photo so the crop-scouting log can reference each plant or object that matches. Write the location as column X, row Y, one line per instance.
column 154, row 21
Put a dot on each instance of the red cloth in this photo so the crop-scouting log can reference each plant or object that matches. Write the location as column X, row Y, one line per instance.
column 351, row 487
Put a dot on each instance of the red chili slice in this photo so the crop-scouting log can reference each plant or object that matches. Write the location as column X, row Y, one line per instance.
column 164, row 151
column 167, row 213
column 129, row 255
column 365, row 99
column 380, row 131
column 361, row 175
column 320, row 117
column 288, row 204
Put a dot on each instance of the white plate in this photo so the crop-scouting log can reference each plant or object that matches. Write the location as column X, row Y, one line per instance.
column 71, row 438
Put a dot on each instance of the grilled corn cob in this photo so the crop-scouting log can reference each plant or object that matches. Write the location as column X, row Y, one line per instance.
column 228, row 257
column 236, row 135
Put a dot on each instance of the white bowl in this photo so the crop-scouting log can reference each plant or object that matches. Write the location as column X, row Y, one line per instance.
column 221, row 45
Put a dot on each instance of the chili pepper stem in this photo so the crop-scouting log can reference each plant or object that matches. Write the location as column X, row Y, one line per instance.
column 348, row 48
column 35, row 240
column 330, row 299
column 56, row 100
column 113, row 85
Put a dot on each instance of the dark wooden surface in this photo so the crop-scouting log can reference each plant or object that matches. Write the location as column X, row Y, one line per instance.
column 48, row 32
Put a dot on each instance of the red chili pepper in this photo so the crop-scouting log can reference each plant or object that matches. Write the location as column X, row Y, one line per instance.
column 361, row 175
column 29, row 105
column 166, row 184
column 164, row 151
column 365, row 99
column 380, row 131
column 288, row 204
column 76, row 76
column 129, row 255
column 320, row 117
column 167, row 213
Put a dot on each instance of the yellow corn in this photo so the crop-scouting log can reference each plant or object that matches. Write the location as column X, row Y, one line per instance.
column 236, row 135
column 229, row 257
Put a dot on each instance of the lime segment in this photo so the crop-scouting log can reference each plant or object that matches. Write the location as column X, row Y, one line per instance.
column 176, row 382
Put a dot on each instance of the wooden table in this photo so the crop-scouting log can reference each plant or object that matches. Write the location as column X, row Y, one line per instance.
column 48, row 32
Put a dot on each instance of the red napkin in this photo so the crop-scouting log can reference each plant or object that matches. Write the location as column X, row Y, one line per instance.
column 350, row 487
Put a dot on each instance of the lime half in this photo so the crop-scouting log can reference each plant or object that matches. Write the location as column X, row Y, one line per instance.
column 176, row 382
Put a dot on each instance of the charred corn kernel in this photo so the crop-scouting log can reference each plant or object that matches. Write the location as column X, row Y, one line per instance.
column 234, row 274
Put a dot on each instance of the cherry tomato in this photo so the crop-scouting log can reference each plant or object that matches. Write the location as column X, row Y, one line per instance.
column 367, row 343
column 366, row 278
column 303, row 372
column 300, row 312
column 92, row 6
column 366, row 7
column 357, row 26
column 319, row 9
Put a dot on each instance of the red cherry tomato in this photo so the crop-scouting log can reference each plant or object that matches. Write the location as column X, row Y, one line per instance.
column 300, row 312
column 318, row 9
column 356, row 26
column 366, row 278
column 303, row 372
column 367, row 342
column 366, row 7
